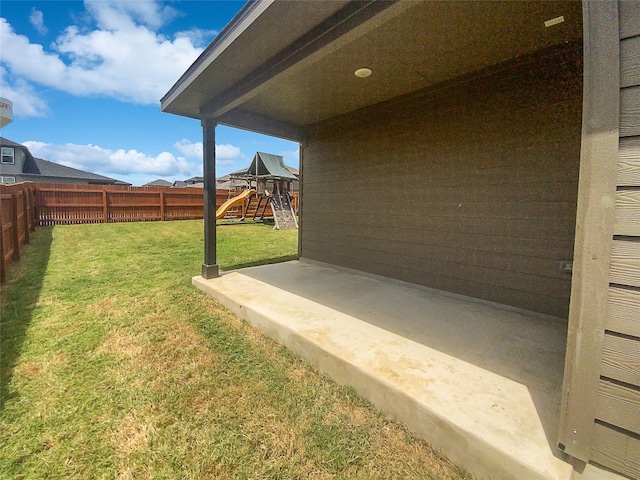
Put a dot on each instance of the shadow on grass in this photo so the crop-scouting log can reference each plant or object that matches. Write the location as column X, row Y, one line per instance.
column 19, row 298
column 266, row 261
column 269, row 222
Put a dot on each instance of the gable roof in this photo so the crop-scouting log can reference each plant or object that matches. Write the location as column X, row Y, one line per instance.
column 227, row 177
column 267, row 164
column 158, row 183
column 44, row 168
column 194, row 180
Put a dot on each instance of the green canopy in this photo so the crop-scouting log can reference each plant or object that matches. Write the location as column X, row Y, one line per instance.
column 266, row 164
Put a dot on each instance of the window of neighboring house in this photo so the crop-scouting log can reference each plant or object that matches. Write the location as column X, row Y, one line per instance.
column 8, row 155
column 7, row 179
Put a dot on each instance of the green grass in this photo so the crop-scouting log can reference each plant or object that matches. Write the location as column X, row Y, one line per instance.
column 114, row 366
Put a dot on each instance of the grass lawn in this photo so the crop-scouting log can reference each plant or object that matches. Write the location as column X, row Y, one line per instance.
column 114, row 366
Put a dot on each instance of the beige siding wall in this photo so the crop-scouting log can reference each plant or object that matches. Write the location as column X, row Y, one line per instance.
column 469, row 187
column 617, row 431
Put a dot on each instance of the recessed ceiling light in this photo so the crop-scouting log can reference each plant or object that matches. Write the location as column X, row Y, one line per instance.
column 554, row 21
column 363, row 72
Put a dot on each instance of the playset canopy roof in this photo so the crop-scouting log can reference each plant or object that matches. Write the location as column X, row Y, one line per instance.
column 267, row 165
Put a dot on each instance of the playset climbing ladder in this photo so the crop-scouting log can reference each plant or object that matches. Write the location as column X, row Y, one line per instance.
column 258, row 207
column 283, row 213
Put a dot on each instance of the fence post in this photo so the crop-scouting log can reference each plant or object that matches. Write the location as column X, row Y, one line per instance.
column 15, row 235
column 105, row 208
column 3, row 265
column 37, row 207
column 34, row 206
column 25, row 213
column 162, row 212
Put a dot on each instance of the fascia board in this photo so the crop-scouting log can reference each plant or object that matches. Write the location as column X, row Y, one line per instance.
column 239, row 24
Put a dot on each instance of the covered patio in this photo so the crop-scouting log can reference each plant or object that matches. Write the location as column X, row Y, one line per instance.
column 468, row 214
column 480, row 380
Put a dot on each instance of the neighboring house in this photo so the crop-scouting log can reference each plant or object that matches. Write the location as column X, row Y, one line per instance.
column 479, row 148
column 18, row 165
column 188, row 182
column 158, row 183
column 225, row 183
column 193, row 180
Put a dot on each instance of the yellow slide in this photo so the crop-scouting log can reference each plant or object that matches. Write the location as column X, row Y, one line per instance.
column 232, row 202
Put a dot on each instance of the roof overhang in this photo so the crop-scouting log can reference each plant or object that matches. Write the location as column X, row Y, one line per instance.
column 280, row 66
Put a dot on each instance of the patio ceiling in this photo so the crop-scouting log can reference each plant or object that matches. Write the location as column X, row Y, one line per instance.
column 280, row 66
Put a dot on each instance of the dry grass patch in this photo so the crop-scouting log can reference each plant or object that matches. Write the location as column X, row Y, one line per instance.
column 180, row 350
column 46, row 365
column 133, row 433
column 119, row 344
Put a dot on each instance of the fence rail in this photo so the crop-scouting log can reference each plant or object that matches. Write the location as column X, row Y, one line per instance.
column 24, row 206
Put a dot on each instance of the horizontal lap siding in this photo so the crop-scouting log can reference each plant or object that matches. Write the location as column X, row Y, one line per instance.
column 469, row 188
column 629, row 162
column 617, row 439
column 623, row 311
column 617, row 451
column 627, row 213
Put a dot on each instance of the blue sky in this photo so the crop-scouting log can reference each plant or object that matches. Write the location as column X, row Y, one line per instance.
column 86, row 79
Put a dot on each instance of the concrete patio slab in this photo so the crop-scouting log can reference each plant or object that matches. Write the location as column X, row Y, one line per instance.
column 480, row 381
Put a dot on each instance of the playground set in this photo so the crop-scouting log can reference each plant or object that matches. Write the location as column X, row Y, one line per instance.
column 266, row 182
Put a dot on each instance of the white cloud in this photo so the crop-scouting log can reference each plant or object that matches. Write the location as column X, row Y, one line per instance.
column 118, row 14
column 37, row 20
column 291, row 157
column 225, row 154
column 198, row 37
column 123, row 58
column 93, row 158
column 26, row 103
column 188, row 148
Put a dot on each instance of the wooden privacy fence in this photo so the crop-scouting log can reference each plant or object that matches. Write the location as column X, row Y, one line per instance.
column 73, row 204
column 17, row 220
column 58, row 204
column 24, row 206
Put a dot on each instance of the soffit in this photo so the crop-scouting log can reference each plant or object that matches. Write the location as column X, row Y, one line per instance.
column 429, row 43
column 409, row 45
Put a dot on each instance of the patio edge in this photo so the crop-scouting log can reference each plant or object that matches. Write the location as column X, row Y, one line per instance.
column 461, row 445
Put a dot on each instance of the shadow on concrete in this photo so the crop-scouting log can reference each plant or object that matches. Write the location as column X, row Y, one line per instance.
column 19, row 298
column 267, row 261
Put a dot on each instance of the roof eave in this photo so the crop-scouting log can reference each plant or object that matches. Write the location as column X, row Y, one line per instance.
column 238, row 24
column 105, row 180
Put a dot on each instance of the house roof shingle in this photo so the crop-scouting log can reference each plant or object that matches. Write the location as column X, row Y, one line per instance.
column 44, row 168
column 195, row 180
column 158, row 183
column 5, row 142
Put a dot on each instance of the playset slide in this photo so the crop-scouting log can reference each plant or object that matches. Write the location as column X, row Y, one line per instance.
column 232, row 202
